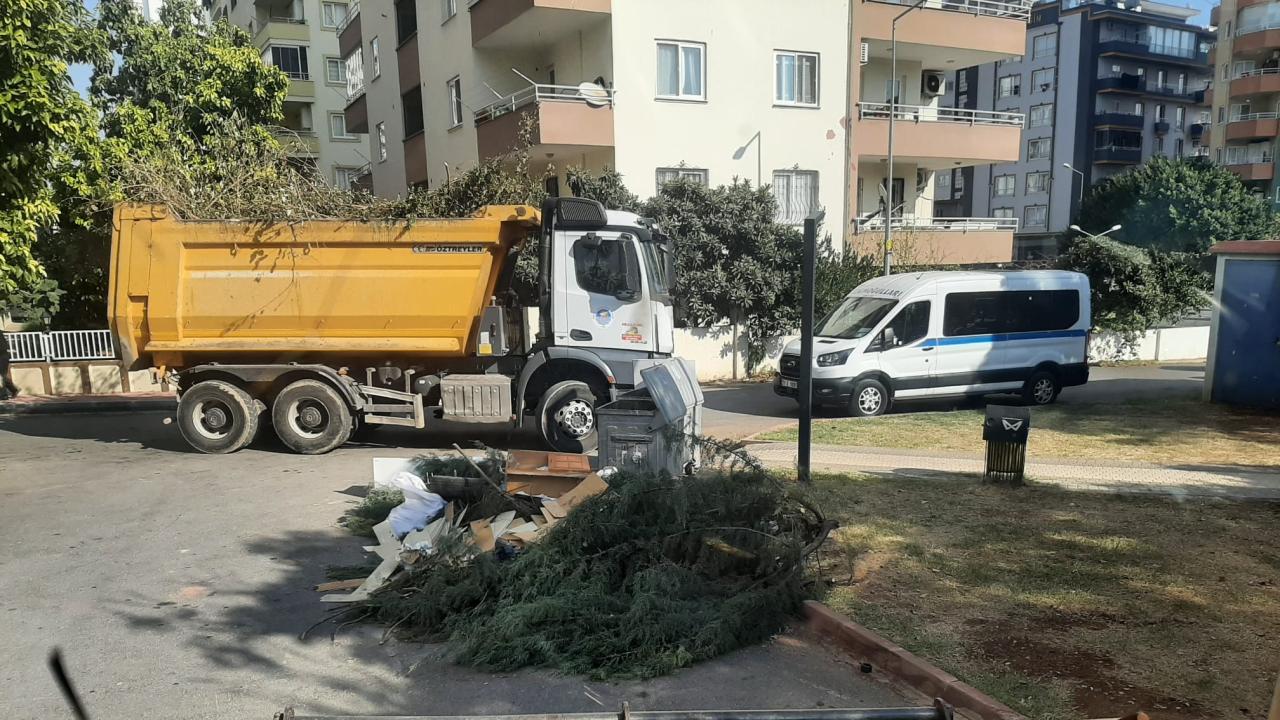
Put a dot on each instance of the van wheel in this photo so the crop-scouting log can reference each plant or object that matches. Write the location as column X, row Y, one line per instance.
column 870, row 398
column 567, row 417
column 311, row 418
column 1042, row 388
column 217, row 417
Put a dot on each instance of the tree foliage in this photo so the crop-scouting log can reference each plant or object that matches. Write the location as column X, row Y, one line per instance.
column 1135, row 289
column 1182, row 205
column 43, row 121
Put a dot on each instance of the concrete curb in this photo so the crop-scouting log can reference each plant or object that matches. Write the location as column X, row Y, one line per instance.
column 863, row 644
column 71, row 407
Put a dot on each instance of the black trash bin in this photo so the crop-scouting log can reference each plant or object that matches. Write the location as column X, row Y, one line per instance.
column 1005, row 430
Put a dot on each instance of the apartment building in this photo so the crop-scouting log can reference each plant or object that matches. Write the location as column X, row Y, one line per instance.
column 301, row 38
column 1246, row 91
column 1105, row 86
column 781, row 94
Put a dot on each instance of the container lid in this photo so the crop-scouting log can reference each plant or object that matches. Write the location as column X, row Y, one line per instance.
column 673, row 384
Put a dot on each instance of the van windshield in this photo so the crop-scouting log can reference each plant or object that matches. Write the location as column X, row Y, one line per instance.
column 855, row 317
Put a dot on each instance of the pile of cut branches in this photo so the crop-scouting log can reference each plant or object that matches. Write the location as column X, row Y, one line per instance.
column 652, row 575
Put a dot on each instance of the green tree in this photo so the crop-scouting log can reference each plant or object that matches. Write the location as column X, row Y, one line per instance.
column 1182, row 205
column 42, row 121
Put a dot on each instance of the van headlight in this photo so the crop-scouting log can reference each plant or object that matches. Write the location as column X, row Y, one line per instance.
column 835, row 358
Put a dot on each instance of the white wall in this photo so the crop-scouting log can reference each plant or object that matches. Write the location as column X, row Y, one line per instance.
column 330, row 98
column 740, row 37
column 1161, row 345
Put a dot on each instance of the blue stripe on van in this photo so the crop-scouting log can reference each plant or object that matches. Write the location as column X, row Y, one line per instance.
column 1005, row 337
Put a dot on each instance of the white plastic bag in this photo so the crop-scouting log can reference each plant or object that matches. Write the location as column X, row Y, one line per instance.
column 420, row 506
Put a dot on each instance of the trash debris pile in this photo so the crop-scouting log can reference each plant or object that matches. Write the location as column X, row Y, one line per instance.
column 608, row 574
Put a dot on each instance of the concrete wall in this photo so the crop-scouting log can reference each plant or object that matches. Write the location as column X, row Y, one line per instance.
column 1161, row 345
column 77, row 378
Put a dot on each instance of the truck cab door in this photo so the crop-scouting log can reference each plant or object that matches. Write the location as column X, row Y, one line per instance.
column 603, row 303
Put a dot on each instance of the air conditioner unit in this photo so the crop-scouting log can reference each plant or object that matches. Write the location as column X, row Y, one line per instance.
column 865, row 54
column 933, row 83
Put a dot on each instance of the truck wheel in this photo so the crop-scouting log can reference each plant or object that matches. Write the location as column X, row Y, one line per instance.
column 567, row 417
column 1042, row 388
column 217, row 417
column 311, row 418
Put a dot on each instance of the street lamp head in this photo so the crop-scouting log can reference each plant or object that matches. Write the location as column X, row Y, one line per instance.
column 1067, row 166
column 1113, row 229
column 737, row 154
column 1076, row 228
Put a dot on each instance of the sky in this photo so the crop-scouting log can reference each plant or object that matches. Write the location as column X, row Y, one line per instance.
column 80, row 73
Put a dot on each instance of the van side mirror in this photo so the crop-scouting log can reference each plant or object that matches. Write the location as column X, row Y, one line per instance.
column 888, row 338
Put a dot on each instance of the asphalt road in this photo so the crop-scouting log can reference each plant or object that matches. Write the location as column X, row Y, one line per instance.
column 177, row 584
column 739, row 410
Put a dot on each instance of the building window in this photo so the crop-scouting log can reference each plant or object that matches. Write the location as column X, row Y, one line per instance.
column 1035, row 216
column 1182, row 83
column 344, row 178
column 795, row 78
column 1179, row 116
column 373, row 58
column 448, row 8
column 682, row 71
column 1158, row 144
column 411, row 106
column 1139, row 109
column 291, row 60
column 1226, row 71
column 335, row 71
column 1042, row 79
column 1002, row 213
column 957, row 184
column 797, row 194
column 1221, row 114
column 1040, row 115
column 962, row 81
column 332, row 14
column 942, row 185
column 1037, row 182
column 406, row 20
column 1160, row 112
column 697, row 176
column 1009, row 85
column 1002, row 185
column 1044, row 46
column 1177, row 148
column 455, row 101
column 338, row 127
column 382, row 142
column 1038, row 149
column 1161, row 76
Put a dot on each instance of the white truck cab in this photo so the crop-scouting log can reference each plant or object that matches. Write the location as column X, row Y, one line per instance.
column 937, row 334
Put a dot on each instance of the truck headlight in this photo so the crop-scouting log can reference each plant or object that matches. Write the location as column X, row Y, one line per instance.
column 835, row 358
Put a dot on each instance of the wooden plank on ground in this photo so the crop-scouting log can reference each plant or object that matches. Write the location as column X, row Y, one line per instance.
column 351, row 584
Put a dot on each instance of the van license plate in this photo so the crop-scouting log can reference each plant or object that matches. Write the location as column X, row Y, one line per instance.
column 790, row 383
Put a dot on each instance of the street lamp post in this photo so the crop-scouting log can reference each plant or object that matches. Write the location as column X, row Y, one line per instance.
column 1080, row 195
column 740, row 152
column 1097, row 236
column 894, row 91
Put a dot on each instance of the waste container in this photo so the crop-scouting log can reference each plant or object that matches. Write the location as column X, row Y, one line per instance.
column 653, row 427
column 1005, row 430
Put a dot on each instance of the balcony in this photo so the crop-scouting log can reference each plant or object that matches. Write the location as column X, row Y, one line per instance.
column 1118, row 119
column 1257, row 37
column 528, row 23
column 961, row 33
column 565, row 118
column 357, row 112
column 350, row 32
column 939, row 137
column 1197, row 131
column 1255, row 82
column 1117, row 155
column 1250, row 165
column 296, row 143
column 415, row 159
column 1136, row 85
column 292, row 29
column 1252, row 126
column 949, row 240
column 1160, row 127
column 1121, row 82
column 1139, row 47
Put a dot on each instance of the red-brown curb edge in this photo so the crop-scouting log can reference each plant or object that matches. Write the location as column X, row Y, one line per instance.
column 863, row 644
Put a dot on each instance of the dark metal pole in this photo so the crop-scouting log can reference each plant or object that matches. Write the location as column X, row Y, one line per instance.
column 806, row 345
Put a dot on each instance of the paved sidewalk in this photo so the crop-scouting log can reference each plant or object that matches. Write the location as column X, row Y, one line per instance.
column 112, row 402
column 1189, row 481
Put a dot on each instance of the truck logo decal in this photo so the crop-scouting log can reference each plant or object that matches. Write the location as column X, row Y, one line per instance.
column 604, row 317
column 1011, row 424
column 423, row 248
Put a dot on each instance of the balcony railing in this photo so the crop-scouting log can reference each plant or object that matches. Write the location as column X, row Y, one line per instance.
column 1258, row 27
column 1014, row 10
column 353, row 9
column 1117, row 153
column 1259, row 72
column 295, row 74
column 921, row 113
column 1245, row 117
column 1248, row 159
column 287, row 19
column 594, row 96
column 942, row 224
column 1198, row 152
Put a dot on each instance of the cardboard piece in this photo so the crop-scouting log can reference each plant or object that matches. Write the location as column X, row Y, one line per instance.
column 590, row 487
column 554, row 508
column 546, row 515
column 340, row 585
column 482, row 535
column 502, row 522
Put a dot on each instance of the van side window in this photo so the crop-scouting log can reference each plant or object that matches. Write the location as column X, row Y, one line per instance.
column 991, row 313
column 911, row 324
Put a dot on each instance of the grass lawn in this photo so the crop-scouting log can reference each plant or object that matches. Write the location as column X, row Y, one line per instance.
column 1065, row 605
column 1172, row 431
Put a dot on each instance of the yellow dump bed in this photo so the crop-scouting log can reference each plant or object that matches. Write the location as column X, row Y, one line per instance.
column 188, row 292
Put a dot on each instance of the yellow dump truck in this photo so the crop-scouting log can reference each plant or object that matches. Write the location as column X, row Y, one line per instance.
column 320, row 327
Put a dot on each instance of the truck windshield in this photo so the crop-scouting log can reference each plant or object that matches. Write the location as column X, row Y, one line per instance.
column 855, row 317
column 659, row 265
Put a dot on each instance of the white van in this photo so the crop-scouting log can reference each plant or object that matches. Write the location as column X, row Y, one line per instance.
column 936, row 334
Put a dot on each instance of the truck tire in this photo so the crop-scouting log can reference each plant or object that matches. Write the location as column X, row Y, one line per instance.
column 310, row 417
column 870, row 398
column 217, row 417
column 1042, row 388
column 567, row 417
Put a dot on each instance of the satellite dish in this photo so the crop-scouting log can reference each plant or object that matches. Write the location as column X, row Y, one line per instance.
column 594, row 94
